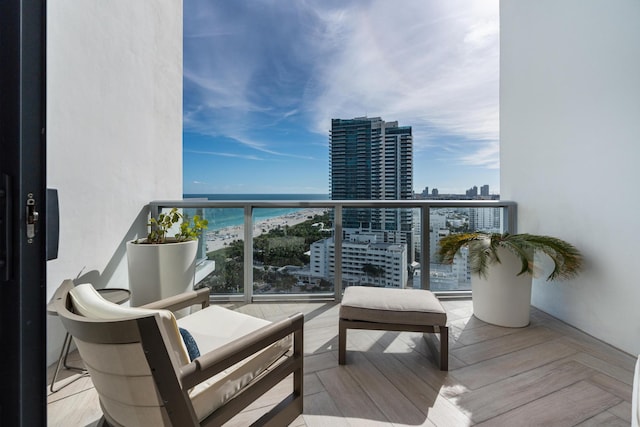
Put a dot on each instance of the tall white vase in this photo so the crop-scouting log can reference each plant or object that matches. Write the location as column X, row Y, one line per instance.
column 503, row 298
column 158, row 271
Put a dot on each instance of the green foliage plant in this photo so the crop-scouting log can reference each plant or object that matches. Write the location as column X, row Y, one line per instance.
column 159, row 228
column 483, row 251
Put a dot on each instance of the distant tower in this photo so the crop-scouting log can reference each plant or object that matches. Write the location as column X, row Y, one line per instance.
column 484, row 190
column 371, row 159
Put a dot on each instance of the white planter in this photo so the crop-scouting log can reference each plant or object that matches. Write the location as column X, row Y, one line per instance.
column 635, row 397
column 503, row 298
column 158, row 271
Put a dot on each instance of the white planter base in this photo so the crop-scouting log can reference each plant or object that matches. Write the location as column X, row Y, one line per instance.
column 160, row 271
column 504, row 298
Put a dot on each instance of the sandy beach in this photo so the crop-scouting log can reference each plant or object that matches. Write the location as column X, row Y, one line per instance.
column 218, row 239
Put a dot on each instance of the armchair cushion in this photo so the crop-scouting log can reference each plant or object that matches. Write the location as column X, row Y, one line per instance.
column 213, row 328
column 89, row 303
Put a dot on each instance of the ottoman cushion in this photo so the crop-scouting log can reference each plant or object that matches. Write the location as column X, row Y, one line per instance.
column 395, row 306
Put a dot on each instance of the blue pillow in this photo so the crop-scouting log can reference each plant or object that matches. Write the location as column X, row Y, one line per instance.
column 190, row 343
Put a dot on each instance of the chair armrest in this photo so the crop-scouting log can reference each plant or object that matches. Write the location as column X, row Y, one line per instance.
column 59, row 295
column 183, row 300
column 213, row 362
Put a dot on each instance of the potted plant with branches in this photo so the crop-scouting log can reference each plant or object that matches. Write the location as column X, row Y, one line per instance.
column 502, row 267
column 159, row 265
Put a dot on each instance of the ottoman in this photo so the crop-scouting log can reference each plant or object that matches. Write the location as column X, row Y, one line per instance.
column 390, row 309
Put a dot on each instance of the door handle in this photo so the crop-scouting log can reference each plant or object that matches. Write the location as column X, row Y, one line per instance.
column 32, row 218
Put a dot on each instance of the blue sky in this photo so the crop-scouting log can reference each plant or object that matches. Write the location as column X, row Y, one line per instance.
column 264, row 78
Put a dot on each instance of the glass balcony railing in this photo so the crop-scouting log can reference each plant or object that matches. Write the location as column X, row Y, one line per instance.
column 259, row 249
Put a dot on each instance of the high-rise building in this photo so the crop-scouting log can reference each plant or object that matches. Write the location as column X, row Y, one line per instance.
column 484, row 190
column 371, row 159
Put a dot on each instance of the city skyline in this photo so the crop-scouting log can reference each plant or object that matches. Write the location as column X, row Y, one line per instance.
column 258, row 109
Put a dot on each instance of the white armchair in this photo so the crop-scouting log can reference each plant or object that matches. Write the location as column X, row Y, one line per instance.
column 142, row 371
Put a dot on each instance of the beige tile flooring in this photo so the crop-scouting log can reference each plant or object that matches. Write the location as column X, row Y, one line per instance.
column 548, row 374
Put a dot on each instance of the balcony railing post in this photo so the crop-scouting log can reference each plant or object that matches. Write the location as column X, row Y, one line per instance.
column 425, row 246
column 337, row 240
column 511, row 219
column 154, row 211
column 248, row 253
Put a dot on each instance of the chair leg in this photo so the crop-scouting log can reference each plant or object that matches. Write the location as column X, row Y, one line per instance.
column 342, row 343
column 62, row 361
column 444, row 348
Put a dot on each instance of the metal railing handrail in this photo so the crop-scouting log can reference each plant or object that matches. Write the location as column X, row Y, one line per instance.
column 510, row 222
column 413, row 203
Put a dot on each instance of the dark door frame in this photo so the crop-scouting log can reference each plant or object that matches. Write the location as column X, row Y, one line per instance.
column 23, row 182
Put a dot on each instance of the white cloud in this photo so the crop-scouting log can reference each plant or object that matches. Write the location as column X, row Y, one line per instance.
column 224, row 154
column 487, row 156
column 431, row 64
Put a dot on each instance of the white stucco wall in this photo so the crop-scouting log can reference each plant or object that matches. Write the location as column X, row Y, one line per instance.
column 114, row 133
column 570, row 146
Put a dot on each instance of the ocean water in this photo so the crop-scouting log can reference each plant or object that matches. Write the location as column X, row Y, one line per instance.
column 229, row 217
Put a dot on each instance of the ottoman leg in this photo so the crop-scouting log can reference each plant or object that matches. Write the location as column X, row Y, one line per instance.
column 342, row 343
column 444, row 348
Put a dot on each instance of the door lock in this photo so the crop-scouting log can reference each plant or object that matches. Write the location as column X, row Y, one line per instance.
column 32, row 218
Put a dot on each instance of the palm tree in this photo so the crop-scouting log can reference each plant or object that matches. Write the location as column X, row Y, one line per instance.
column 483, row 251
